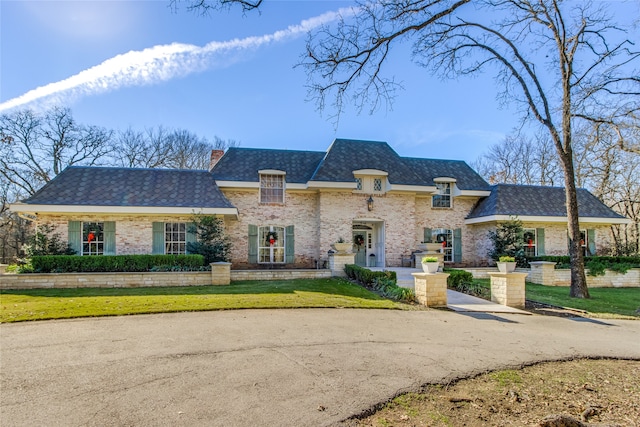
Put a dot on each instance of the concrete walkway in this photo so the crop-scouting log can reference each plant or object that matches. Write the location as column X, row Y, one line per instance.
column 311, row 367
column 456, row 301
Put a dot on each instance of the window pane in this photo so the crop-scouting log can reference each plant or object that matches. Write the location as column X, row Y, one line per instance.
column 175, row 238
column 271, row 188
column 271, row 244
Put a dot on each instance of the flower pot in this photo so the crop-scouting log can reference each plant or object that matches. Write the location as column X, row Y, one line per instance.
column 433, row 247
column 430, row 267
column 506, row 267
column 342, row 247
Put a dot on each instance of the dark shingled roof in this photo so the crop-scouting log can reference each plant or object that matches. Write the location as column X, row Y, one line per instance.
column 466, row 178
column 131, row 187
column 346, row 155
column 243, row 164
column 530, row 200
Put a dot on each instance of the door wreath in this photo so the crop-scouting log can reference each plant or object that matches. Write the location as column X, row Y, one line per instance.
column 359, row 239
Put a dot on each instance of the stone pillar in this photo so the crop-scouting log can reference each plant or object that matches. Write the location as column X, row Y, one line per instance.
column 338, row 260
column 431, row 289
column 543, row 272
column 3, row 268
column 508, row 289
column 220, row 273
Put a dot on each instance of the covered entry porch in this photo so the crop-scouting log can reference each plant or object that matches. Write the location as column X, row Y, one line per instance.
column 368, row 242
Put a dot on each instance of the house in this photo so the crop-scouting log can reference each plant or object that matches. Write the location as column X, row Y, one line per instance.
column 286, row 207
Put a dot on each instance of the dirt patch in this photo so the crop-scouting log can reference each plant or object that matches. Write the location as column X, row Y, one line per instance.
column 573, row 393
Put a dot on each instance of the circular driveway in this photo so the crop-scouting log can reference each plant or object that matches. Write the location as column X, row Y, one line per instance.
column 309, row 367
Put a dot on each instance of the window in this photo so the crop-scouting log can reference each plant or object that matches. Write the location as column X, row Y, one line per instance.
column 443, row 198
column 530, row 242
column 369, row 184
column 271, row 245
column 92, row 238
column 359, row 184
column 271, row 188
column 175, row 238
column 584, row 244
column 444, row 236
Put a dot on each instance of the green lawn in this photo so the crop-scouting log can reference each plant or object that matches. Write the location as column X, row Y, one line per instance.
column 604, row 302
column 40, row 304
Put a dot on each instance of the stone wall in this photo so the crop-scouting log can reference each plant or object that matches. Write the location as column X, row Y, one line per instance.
column 611, row 279
column 218, row 276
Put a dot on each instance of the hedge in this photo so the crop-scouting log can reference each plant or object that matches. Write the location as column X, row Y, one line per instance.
column 114, row 263
column 383, row 282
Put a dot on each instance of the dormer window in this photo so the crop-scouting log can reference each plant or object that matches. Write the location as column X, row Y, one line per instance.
column 272, row 185
column 443, row 197
column 370, row 181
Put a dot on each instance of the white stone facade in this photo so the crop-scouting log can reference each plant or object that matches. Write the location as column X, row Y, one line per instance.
column 320, row 218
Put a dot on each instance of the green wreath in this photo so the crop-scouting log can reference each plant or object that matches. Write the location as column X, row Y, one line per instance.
column 271, row 235
column 359, row 239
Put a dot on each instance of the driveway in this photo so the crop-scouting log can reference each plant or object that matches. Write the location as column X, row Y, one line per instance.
column 268, row 367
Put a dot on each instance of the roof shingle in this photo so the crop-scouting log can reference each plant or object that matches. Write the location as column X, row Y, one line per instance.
column 98, row 186
column 531, row 200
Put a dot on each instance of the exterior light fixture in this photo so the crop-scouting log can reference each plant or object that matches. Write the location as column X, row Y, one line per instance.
column 370, row 203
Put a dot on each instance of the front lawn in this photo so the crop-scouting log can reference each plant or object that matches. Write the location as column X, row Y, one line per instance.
column 40, row 304
column 604, row 302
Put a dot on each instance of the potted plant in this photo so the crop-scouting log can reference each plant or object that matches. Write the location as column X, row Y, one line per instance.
column 430, row 264
column 341, row 245
column 506, row 264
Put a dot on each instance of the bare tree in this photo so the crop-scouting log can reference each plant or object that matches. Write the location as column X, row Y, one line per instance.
column 162, row 148
column 519, row 160
column 204, row 7
column 560, row 62
column 35, row 148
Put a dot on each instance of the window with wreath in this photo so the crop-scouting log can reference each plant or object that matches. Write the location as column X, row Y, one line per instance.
column 272, row 188
column 271, row 244
column 444, row 236
column 530, row 242
column 443, row 197
column 92, row 237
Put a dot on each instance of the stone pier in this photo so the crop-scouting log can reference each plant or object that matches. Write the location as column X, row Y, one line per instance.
column 431, row 289
column 508, row 289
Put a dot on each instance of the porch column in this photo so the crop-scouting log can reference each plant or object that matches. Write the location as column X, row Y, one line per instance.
column 508, row 289
column 338, row 260
column 431, row 289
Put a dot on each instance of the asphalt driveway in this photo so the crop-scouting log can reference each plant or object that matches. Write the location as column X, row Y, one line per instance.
column 267, row 367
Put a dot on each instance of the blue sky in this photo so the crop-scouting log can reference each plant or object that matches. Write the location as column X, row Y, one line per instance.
column 137, row 63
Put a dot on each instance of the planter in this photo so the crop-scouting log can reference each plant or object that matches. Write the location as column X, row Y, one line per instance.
column 342, row 247
column 422, row 247
column 430, row 267
column 433, row 247
column 506, row 267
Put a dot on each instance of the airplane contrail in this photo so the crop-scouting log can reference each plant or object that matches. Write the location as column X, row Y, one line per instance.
column 157, row 64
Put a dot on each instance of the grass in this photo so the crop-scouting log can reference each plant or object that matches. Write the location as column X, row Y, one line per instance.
column 604, row 302
column 41, row 304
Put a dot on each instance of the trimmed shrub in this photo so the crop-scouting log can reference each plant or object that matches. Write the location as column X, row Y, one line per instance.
column 383, row 282
column 458, row 277
column 115, row 263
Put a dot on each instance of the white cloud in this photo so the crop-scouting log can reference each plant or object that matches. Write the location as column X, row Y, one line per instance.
column 157, row 64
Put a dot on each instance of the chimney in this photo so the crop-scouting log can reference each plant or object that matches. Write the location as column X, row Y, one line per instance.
column 215, row 157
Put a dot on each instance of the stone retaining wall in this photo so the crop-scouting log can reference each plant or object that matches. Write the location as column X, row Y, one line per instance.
column 238, row 275
column 544, row 273
column 220, row 274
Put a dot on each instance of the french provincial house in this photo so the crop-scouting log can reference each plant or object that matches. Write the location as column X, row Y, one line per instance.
column 286, row 208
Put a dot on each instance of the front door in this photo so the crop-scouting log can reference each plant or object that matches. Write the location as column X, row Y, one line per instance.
column 360, row 239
